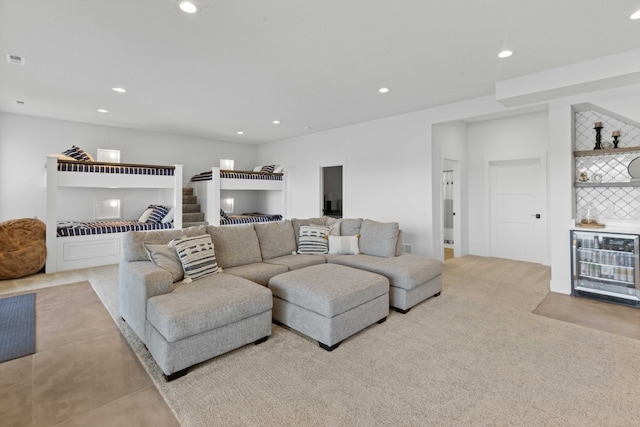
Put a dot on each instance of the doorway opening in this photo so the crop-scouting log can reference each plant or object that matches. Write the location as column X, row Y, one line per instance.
column 331, row 191
column 450, row 201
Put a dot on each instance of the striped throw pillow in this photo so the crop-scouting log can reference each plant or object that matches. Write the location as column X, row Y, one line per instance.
column 157, row 213
column 78, row 154
column 267, row 168
column 313, row 239
column 197, row 257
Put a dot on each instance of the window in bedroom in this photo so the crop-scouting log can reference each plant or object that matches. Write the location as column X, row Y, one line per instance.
column 108, row 209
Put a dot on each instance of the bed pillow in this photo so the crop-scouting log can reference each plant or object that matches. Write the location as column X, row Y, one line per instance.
column 166, row 257
column 197, row 257
column 223, row 214
column 157, row 213
column 313, row 239
column 344, row 245
column 278, row 169
column 169, row 216
column 145, row 215
column 62, row 157
column 379, row 239
column 78, row 154
column 267, row 168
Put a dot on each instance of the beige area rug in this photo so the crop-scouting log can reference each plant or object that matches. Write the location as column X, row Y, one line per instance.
column 476, row 355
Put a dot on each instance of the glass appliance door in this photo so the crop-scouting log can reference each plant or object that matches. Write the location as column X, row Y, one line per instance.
column 605, row 265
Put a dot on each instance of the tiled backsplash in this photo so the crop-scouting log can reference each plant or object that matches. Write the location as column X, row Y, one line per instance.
column 602, row 201
column 586, row 134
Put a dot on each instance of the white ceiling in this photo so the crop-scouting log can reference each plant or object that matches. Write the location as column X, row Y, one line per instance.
column 240, row 64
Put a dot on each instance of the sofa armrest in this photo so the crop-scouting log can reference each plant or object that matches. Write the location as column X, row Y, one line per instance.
column 139, row 281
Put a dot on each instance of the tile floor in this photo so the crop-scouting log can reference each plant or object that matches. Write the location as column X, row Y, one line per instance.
column 83, row 372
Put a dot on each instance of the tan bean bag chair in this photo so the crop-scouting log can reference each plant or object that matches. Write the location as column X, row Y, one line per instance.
column 23, row 250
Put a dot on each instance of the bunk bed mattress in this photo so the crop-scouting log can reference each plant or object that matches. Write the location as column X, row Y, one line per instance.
column 249, row 218
column 112, row 168
column 207, row 176
column 77, row 228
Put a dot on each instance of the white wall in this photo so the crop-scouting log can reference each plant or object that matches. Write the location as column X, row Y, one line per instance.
column 519, row 137
column 26, row 140
column 386, row 173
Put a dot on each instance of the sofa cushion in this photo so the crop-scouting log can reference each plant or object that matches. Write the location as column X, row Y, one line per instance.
column 197, row 257
column 259, row 272
column 206, row 304
column 350, row 226
column 407, row 271
column 313, row 239
column 275, row 238
column 344, row 245
column 235, row 245
column 133, row 241
column 379, row 239
column 297, row 261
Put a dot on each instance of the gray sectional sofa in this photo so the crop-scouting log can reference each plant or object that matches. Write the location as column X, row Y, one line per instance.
column 258, row 276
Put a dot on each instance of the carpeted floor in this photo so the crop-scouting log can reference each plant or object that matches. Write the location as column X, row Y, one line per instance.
column 476, row 355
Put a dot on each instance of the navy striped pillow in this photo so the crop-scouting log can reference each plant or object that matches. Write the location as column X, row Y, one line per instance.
column 313, row 239
column 268, row 168
column 158, row 212
column 197, row 257
column 78, row 154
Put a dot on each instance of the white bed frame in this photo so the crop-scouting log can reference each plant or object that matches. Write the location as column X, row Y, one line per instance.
column 208, row 192
column 68, row 253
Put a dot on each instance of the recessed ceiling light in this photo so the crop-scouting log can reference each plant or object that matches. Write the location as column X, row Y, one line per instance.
column 102, row 110
column 383, row 90
column 276, row 122
column 187, row 7
column 505, row 54
column 240, row 132
column 635, row 15
column 118, row 89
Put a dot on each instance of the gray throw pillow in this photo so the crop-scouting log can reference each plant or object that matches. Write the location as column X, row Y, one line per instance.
column 166, row 257
column 379, row 239
column 276, row 238
column 235, row 244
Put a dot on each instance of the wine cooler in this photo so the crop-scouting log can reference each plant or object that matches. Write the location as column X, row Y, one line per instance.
column 605, row 266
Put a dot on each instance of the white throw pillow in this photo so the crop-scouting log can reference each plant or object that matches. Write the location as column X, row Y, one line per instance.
column 168, row 217
column 343, row 245
column 145, row 215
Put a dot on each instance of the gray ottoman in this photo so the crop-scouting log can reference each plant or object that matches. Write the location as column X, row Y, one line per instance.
column 329, row 302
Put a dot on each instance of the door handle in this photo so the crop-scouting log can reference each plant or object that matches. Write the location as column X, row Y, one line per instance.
column 537, row 216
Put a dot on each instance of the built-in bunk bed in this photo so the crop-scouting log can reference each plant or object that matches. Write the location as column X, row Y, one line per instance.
column 149, row 191
column 207, row 186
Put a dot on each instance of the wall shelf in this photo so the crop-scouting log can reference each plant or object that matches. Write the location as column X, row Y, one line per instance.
column 605, row 184
column 605, row 151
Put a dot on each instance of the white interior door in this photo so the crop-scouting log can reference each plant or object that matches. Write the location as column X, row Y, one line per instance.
column 518, row 210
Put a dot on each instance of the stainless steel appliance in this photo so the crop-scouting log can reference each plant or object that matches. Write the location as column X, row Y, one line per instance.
column 605, row 266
